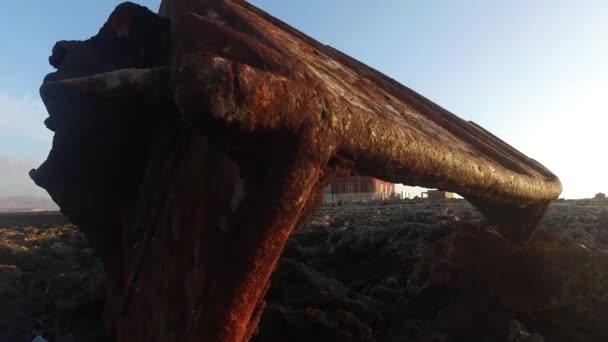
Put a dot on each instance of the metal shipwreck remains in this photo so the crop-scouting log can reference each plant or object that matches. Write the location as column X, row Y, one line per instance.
column 188, row 145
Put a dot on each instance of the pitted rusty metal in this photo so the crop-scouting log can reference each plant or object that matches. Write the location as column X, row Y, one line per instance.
column 188, row 148
column 241, row 66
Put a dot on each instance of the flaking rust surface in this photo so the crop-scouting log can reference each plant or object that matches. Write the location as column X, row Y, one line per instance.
column 243, row 67
column 188, row 147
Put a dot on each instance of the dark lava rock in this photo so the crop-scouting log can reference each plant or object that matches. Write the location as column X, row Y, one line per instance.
column 384, row 278
column 554, row 284
column 10, row 282
column 46, row 286
column 601, row 228
column 307, row 306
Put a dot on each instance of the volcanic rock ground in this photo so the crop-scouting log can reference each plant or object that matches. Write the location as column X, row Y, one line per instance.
column 391, row 271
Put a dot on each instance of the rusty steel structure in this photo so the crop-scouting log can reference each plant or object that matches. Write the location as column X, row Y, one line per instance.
column 166, row 124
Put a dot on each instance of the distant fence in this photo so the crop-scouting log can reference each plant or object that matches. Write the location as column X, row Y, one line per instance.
column 355, row 197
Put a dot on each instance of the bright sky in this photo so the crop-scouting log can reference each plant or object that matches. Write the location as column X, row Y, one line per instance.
column 535, row 73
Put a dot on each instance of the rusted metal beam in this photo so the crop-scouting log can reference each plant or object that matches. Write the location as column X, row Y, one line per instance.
column 228, row 49
column 188, row 147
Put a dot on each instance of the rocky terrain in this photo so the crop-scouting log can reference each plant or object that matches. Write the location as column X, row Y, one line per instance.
column 392, row 271
column 50, row 282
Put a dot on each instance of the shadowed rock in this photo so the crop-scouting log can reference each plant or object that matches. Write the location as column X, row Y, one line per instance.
column 188, row 146
column 555, row 283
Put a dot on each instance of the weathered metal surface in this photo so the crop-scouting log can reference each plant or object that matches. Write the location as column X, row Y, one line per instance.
column 242, row 67
column 188, row 148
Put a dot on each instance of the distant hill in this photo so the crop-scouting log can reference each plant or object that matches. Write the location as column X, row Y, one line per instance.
column 26, row 203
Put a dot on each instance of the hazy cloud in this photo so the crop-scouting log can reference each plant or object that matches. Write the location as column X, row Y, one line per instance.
column 21, row 122
column 14, row 178
column 23, row 117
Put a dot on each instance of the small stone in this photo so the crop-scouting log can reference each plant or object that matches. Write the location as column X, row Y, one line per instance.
column 602, row 228
column 96, row 286
column 518, row 332
column 39, row 339
column 384, row 294
column 10, row 281
column 58, row 249
column 87, row 251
